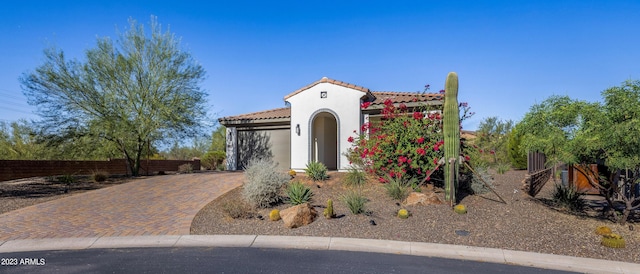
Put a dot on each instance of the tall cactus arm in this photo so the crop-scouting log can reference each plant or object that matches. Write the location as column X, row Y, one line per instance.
column 451, row 129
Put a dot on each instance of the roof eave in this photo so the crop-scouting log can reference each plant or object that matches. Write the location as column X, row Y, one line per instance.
column 252, row 122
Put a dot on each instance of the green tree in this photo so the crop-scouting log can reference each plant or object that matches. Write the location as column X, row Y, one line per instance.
column 551, row 127
column 18, row 141
column 492, row 138
column 517, row 157
column 187, row 152
column 219, row 139
column 578, row 132
column 139, row 90
column 217, row 150
column 612, row 134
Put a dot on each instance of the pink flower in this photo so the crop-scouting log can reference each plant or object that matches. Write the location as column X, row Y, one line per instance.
column 418, row 115
column 435, row 161
column 350, row 139
column 467, row 158
column 388, row 102
column 365, row 105
column 420, row 140
column 420, row 151
column 364, row 127
column 403, row 106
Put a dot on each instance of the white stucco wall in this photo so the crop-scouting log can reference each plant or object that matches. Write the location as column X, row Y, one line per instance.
column 341, row 101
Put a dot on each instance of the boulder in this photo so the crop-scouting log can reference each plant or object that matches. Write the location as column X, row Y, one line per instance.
column 419, row 198
column 297, row 216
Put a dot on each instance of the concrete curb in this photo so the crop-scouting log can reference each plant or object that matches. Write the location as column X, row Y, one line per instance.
column 481, row 254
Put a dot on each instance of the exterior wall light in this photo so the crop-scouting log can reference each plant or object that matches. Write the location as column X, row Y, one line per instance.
column 298, row 129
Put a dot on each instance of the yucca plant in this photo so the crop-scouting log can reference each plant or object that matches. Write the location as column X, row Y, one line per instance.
column 398, row 187
column 501, row 168
column 355, row 177
column 569, row 197
column 298, row 193
column 354, row 201
column 317, row 171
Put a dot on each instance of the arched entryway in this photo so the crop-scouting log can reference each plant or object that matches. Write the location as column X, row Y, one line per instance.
column 324, row 140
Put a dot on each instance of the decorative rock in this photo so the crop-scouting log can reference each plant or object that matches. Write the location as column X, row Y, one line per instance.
column 297, row 216
column 426, row 198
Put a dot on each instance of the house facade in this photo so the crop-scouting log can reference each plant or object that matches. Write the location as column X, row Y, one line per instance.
column 315, row 127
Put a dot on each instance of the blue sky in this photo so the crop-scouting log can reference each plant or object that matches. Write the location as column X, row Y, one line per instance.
column 509, row 55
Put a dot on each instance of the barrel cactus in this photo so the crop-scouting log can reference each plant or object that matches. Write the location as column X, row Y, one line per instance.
column 274, row 215
column 603, row 230
column 403, row 213
column 613, row 240
column 328, row 212
column 451, row 128
column 460, row 209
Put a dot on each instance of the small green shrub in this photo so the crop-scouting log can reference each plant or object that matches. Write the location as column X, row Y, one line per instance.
column 237, row 210
column 569, row 198
column 263, row 182
column 398, row 187
column 354, row 201
column 186, row 168
column 501, row 168
column 477, row 184
column 99, row 176
column 67, row 179
column 355, row 177
column 317, row 171
column 298, row 193
column 212, row 160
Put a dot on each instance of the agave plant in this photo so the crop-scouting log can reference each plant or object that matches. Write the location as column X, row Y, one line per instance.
column 298, row 193
column 317, row 171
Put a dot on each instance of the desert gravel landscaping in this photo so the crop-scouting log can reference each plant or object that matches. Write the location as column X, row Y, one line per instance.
column 523, row 224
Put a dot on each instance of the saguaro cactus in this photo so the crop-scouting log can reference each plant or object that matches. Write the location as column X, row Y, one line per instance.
column 451, row 136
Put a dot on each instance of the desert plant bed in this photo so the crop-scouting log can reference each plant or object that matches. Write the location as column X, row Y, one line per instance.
column 524, row 223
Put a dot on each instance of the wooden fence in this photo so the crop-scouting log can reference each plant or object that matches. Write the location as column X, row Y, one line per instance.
column 537, row 175
column 16, row 169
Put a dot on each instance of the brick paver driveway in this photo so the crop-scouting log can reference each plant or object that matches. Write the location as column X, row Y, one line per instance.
column 160, row 205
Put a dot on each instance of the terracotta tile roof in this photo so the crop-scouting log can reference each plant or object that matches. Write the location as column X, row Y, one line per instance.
column 327, row 80
column 403, row 97
column 261, row 115
column 375, row 97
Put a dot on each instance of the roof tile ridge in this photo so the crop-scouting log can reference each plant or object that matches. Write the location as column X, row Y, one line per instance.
column 257, row 112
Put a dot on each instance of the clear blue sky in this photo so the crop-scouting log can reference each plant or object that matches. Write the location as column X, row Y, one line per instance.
column 508, row 54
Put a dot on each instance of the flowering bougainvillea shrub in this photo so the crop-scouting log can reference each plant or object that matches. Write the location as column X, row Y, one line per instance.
column 405, row 141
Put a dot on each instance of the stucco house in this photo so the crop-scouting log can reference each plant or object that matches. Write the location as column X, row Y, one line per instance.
column 314, row 127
